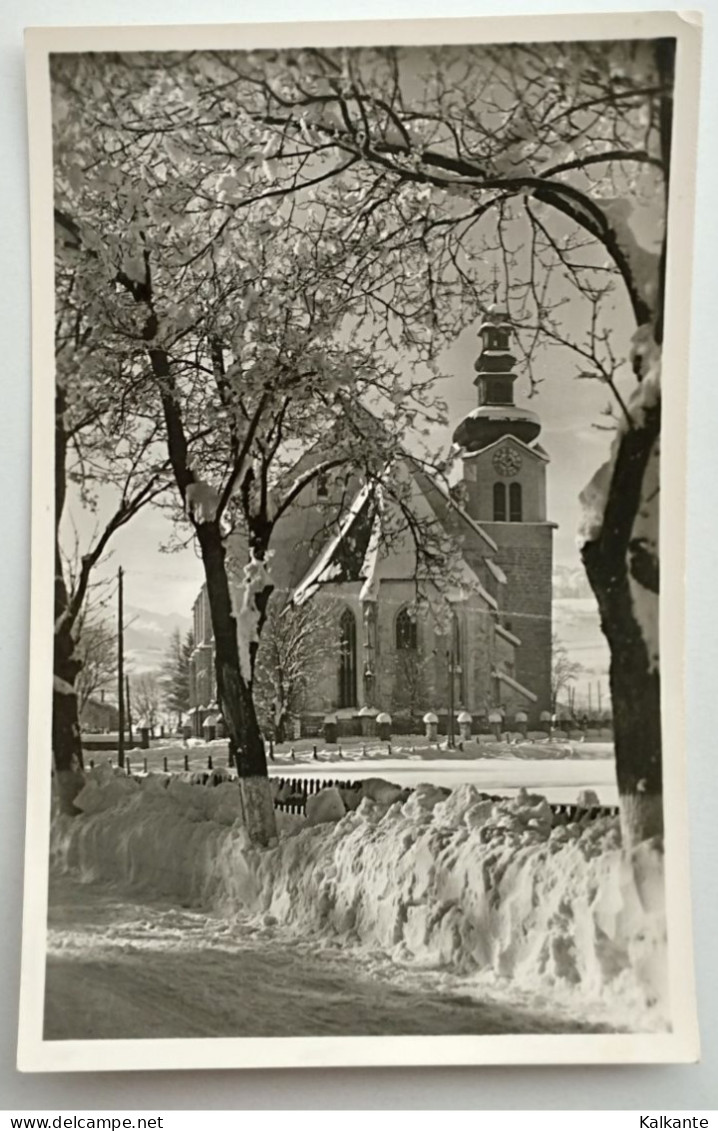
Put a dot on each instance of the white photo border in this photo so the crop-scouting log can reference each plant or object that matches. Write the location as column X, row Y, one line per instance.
column 681, row 1044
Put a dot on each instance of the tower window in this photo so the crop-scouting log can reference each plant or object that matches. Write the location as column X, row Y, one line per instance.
column 347, row 660
column 500, row 502
column 497, row 338
column 405, row 631
column 499, row 392
column 515, row 508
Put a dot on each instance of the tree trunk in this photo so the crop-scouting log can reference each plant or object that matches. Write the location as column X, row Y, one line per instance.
column 636, row 698
column 615, row 561
column 235, row 695
column 233, row 690
column 619, row 557
column 66, row 745
column 281, row 715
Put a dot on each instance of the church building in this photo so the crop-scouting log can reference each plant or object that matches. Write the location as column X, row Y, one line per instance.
column 487, row 646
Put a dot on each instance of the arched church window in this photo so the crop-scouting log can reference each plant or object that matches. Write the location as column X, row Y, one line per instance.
column 405, row 631
column 499, row 502
column 515, row 508
column 347, row 659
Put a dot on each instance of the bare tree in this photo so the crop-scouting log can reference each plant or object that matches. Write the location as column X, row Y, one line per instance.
column 147, row 697
column 296, row 642
column 564, row 142
column 243, row 359
column 564, row 671
column 96, row 648
column 176, row 674
column 385, row 178
column 93, row 446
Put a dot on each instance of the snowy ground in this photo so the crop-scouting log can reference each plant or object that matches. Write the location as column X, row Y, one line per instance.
column 558, row 781
column 535, row 920
column 123, row 967
column 557, row 769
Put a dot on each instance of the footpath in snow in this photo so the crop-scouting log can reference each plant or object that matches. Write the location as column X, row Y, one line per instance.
column 494, row 893
column 125, row 967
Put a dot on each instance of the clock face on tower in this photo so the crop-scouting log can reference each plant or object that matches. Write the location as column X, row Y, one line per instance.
column 507, row 462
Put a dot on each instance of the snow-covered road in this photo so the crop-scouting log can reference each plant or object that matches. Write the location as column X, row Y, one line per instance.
column 119, row 967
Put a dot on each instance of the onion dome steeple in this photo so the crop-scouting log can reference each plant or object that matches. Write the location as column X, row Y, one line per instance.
column 497, row 414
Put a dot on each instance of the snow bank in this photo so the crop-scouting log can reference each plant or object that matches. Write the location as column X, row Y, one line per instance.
column 492, row 890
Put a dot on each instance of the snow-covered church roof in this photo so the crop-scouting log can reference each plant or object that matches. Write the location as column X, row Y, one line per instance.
column 373, row 543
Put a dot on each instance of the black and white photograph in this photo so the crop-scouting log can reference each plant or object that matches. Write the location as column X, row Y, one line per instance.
column 350, row 712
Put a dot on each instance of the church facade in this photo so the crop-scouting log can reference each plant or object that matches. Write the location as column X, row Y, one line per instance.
column 486, row 647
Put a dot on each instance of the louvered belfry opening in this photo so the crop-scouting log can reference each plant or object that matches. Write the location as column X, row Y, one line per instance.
column 499, row 502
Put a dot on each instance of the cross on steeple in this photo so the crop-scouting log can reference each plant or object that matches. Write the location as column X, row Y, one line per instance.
column 495, row 284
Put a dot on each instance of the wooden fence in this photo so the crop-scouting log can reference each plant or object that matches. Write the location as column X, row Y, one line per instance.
column 292, row 793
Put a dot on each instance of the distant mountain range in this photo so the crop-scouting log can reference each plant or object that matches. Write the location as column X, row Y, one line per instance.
column 570, row 581
column 147, row 636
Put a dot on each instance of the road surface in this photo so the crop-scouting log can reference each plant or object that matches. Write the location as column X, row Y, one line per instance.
column 122, row 968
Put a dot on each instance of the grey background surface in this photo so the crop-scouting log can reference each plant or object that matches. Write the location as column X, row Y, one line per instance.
column 658, row 1088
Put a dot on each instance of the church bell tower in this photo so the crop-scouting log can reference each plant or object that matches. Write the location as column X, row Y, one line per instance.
column 504, row 476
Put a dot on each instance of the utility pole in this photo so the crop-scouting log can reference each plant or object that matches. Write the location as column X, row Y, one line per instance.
column 129, row 710
column 590, row 704
column 450, row 740
column 120, row 674
column 599, row 697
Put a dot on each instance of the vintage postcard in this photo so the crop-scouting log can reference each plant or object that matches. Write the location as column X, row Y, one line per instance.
column 356, row 720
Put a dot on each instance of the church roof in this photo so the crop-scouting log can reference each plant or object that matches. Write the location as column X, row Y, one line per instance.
column 496, row 570
column 450, row 507
column 345, row 553
column 514, row 683
column 512, row 639
column 535, row 448
column 355, row 552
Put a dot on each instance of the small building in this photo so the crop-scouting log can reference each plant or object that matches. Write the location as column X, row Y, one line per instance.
column 97, row 716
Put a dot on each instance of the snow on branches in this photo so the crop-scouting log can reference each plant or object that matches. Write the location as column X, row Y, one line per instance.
column 643, row 262
column 201, row 501
column 642, row 545
column 247, row 613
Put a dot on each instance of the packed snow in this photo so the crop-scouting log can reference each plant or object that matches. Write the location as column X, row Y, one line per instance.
column 557, row 768
column 498, row 893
